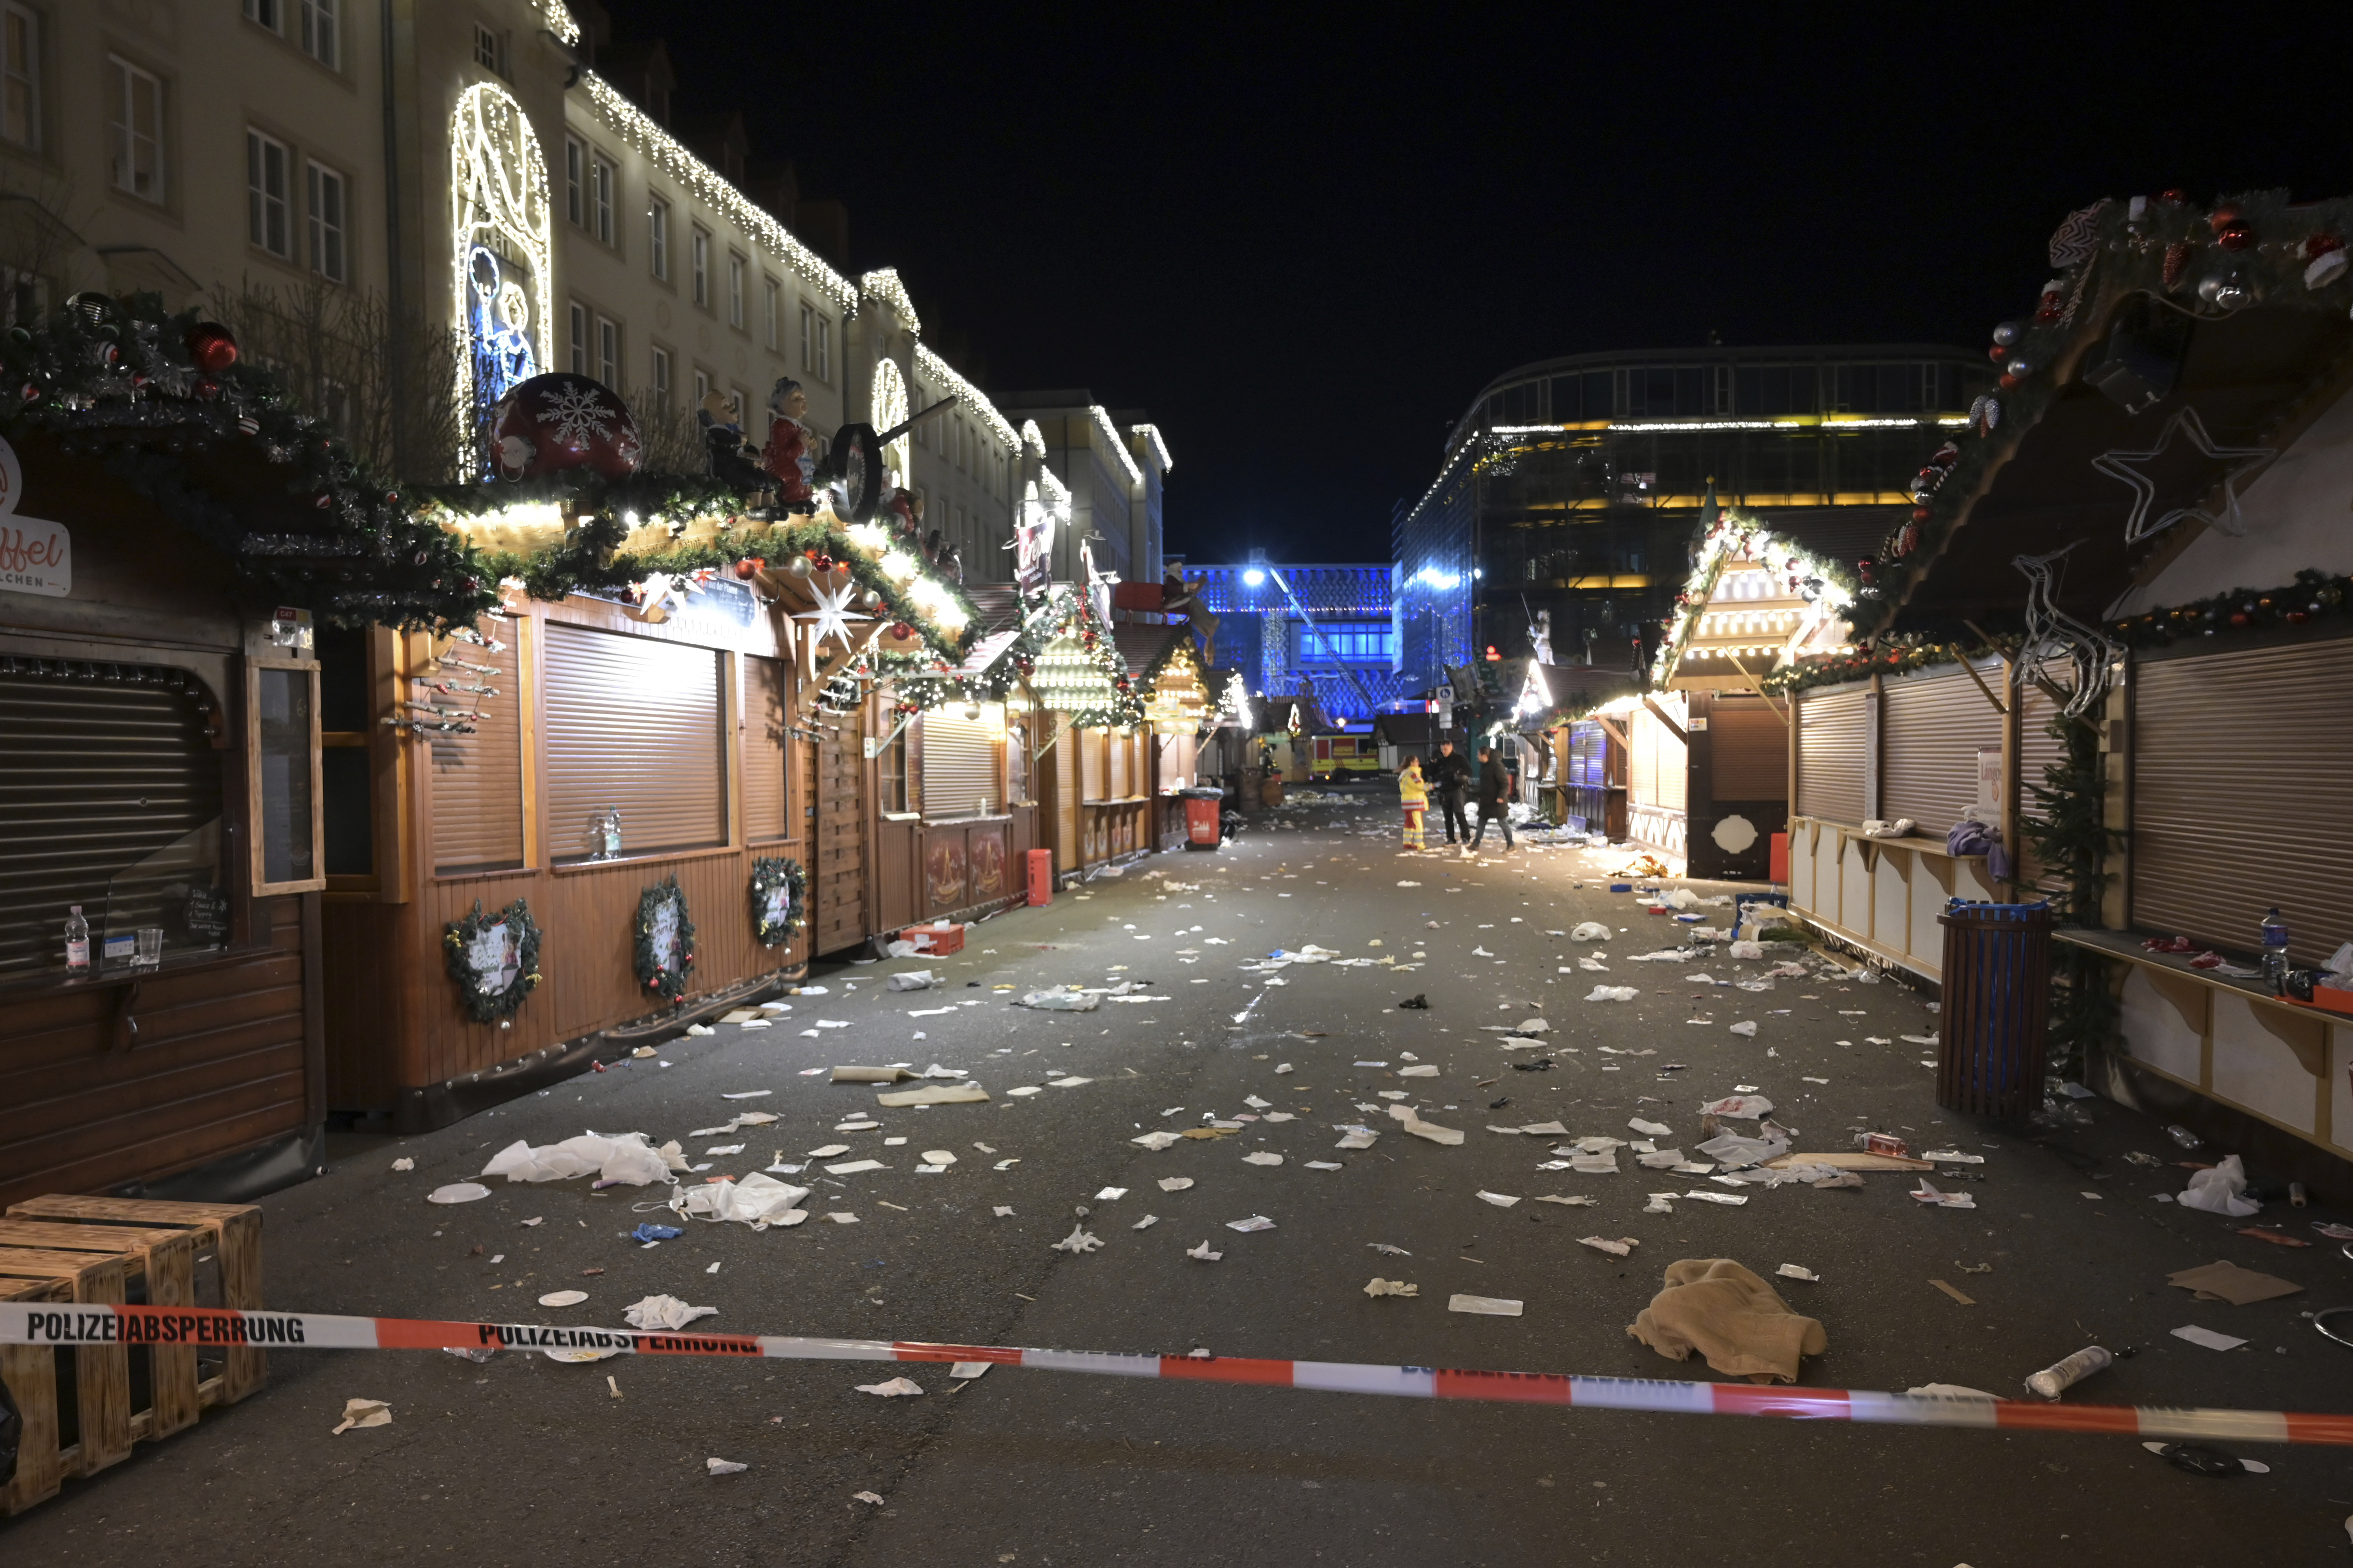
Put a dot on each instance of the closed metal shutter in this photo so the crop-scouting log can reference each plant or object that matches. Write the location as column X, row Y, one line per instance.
column 1830, row 755
column 1589, row 750
column 763, row 741
column 959, row 763
column 1749, row 751
column 2242, row 798
column 102, row 765
column 1932, row 724
column 632, row 723
column 477, row 779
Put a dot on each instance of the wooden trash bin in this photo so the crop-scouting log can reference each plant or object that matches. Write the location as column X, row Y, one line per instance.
column 168, row 1259
column 102, row 1372
column 230, row 1232
column 31, row 1373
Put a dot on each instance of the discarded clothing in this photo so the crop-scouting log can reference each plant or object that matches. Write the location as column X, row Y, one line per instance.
column 622, row 1157
column 1731, row 1316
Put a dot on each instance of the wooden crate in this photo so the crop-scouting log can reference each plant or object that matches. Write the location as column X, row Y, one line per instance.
column 102, row 1372
column 231, row 1231
column 31, row 1373
column 168, row 1262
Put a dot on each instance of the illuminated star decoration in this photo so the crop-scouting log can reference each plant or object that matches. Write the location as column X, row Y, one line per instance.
column 832, row 614
column 2238, row 461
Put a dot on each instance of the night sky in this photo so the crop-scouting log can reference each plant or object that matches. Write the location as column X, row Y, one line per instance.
column 1302, row 240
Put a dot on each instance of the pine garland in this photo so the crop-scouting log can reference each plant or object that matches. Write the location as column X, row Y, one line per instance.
column 2072, row 838
column 663, row 974
column 2313, row 596
column 1891, row 656
column 488, row 1006
column 118, row 380
column 769, row 876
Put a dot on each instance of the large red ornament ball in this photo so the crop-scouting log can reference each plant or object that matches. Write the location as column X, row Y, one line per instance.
column 2234, row 236
column 212, row 346
column 560, row 421
column 749, row 567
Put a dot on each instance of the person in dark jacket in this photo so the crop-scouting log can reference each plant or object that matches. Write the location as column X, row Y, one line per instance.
column 1495, row 796
column 1448, row 776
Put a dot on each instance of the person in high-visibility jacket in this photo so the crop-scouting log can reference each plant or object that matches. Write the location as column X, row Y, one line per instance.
column 1415, row 795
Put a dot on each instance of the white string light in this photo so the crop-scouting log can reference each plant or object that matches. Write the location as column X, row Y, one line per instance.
column 937, row 370
column 664, row 150
column 887, row 408
column 885, row 285
column 1159, row 448
column 1111, row 435
column 559, row 19
column 498, row 196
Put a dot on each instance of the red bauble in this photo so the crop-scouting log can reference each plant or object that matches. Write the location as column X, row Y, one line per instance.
column 561, row 421
column 212, row 346
column 901, row 629
column 2297, row 617
column 749, row 567
column 2008, row 381
column 1997, row 353
column 2241, row 619
column 207, row 387
column 2234, row 236
column 2173, row 196
column 2319, row 245
column 1920, row 514
column 2222, row 217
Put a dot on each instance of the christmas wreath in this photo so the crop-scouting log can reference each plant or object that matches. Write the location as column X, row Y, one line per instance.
column 494, row 959
column 779, row 901
column 664, row 946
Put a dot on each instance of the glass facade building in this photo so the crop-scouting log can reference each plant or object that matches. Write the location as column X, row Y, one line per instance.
column 1572, row 487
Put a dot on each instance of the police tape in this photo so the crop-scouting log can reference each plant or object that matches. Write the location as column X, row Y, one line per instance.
column 90, row 1324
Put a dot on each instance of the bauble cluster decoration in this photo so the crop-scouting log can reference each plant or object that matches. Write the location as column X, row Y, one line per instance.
column 559, row 421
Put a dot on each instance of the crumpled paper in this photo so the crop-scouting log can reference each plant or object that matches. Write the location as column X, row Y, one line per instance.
column 897, row 1388
column 717, row 1467
column 911, row 980
column 2219, row 1190
column 1612, row 993
column 1080, row 1240
column 624, row 1157
column 1062, row 1001
column 1590, row 931
column 665, row 1314
column 1380, row 1287
column 363, row 1413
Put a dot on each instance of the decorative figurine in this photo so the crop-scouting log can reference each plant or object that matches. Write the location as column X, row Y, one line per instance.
column 727, row 457
column 790, row 457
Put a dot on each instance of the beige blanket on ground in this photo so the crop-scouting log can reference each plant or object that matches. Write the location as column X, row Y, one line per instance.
column 1715, row 1307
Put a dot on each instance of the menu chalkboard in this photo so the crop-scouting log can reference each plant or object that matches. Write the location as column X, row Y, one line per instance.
column 205, row 916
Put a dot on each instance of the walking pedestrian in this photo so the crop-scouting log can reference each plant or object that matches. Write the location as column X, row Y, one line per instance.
column 1494, row 797
column 1415, row 795
column 1449, row 776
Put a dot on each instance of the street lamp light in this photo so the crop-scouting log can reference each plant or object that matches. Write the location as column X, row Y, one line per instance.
column 1253, row 576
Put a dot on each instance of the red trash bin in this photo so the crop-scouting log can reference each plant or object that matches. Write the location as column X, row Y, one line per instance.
column 1203, row 825
column 1042, row 877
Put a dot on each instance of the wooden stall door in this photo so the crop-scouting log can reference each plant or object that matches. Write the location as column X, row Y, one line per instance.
column 837, row 841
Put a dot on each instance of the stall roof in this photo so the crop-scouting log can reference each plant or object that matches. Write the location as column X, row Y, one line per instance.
column 1145, row 648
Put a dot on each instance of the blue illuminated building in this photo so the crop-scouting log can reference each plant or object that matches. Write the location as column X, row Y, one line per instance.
column 1344, row 646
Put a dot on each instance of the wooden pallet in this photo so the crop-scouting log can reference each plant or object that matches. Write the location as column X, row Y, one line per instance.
column 229, row 1232
column 31, row 1373
column 168, row 1264
column 102, row 1372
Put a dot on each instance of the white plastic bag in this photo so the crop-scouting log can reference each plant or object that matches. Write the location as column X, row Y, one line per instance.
column 2219, row 1190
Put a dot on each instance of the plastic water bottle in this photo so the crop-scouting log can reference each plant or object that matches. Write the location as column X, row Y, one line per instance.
column 77, row 943
column 2053, row 1381
column 2274, row 950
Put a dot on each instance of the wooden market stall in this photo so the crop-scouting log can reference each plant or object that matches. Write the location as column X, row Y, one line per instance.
column 1093, row 770
column 170, row 537
column 1164, row 664
column 954, row 816
column 2182, row 430
column 635, row 794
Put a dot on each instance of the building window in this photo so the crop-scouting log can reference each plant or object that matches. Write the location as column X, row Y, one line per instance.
column 576, row 159
column 579, row 340
column 321, row 39
column 609, row 351
column 327, row 221
column 135, row 155
column 775, row 303
column 270, row 14
column 808, row 340
column 658, row 237
column 1343, row 642
column 600, row 194
column 698, row 260
column 265, row 195
column 817, row 345
column 891, row 774
column 661, row 378
column 735, row 290
column 486, row 48
column 702, row 386
column 20, row 76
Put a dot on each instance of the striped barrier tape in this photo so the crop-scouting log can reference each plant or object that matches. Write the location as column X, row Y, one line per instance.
column 102, row 1324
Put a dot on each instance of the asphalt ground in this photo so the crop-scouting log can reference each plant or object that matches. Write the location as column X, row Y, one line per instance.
column 527, row 1462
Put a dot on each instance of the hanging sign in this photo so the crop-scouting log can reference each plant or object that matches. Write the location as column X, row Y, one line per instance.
column 35, row 555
